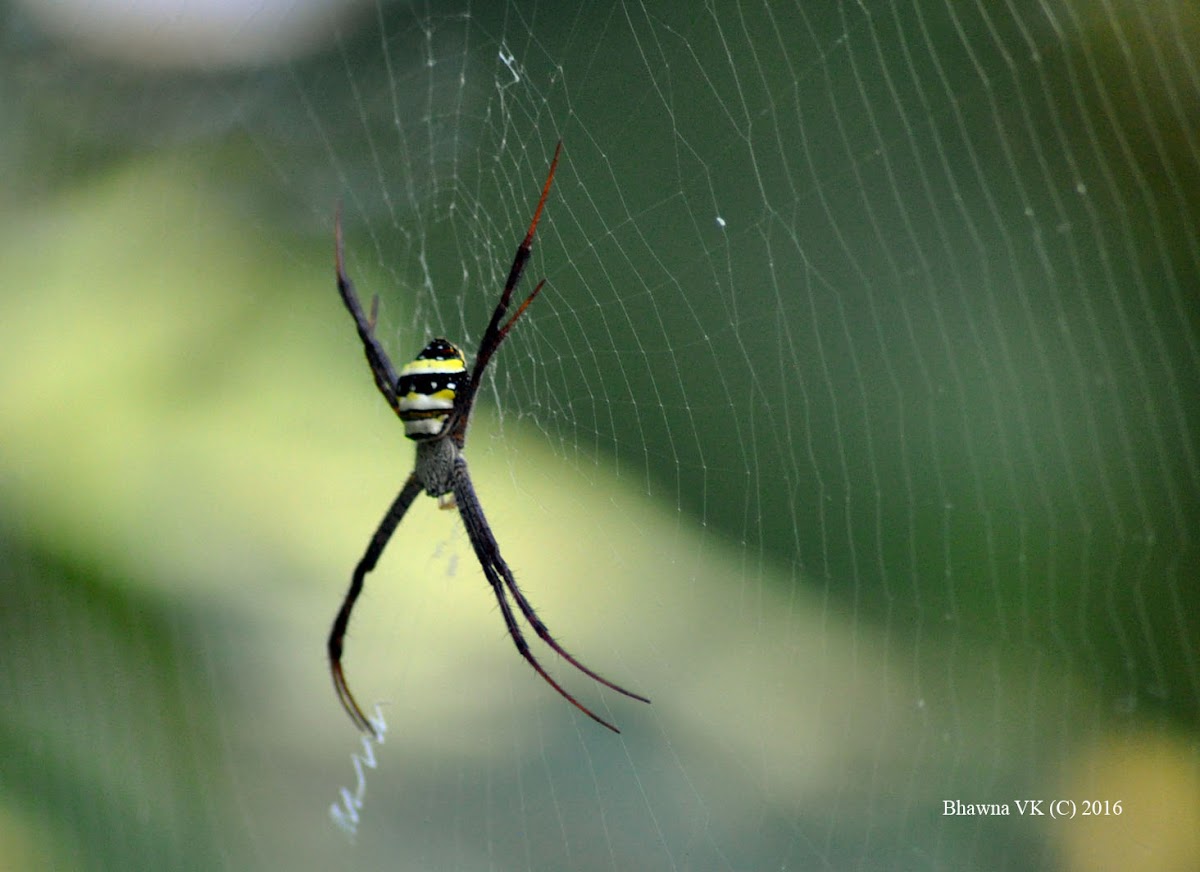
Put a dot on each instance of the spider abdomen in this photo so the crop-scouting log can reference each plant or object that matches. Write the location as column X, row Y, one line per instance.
column 426, row 389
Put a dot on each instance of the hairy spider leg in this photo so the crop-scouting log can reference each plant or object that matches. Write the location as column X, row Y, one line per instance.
column 500, row 576
column 493, row 334
column 377, row 359
column 337, row 635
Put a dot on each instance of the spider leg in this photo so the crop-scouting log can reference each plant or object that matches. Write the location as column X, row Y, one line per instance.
column 337, row 635
column 501, row 577
column 503, row 331
column 377, row 359
column 494, row 334
column 544, row 634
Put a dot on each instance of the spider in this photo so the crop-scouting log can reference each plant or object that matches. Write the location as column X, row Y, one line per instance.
column 433, row 396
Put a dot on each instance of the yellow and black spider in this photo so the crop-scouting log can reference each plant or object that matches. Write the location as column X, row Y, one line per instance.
column 433, row 396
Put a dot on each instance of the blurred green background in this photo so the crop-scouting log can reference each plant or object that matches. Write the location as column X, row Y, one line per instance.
column 856, row 427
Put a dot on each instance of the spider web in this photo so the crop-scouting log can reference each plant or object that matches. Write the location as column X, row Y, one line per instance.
column 856, row 427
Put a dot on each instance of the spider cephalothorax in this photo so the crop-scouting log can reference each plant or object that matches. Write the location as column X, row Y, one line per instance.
column 433, row 396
